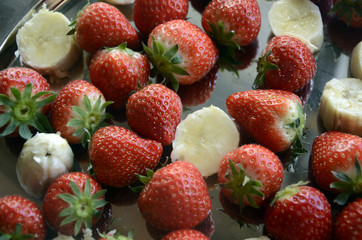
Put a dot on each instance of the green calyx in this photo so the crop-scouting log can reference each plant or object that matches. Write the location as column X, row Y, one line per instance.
column 118, row 236
column 143, row 179
column 166, row 64
column 16, row 235
column 89, row 118
column 241, row 185
column 263, row 67
column 288, row 192
column 24, row 111
column 123, row 48
column 349, row 186
column 346, row 8
column 73, row 25
column 226, row 45
column 83, row 206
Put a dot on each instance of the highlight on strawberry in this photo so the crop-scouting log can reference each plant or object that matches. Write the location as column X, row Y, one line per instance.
column 24, row 102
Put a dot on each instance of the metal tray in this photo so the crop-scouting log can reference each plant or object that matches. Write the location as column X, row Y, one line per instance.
column 332, row 61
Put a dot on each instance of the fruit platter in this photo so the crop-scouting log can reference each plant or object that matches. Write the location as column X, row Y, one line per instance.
column 199, row 119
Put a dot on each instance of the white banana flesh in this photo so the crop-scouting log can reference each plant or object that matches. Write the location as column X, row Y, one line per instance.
column 43, row 158
column 299, row 18
column 43, row 44
column 120, row 2
column 356, row 61
column 341, row 105
column 204, row 137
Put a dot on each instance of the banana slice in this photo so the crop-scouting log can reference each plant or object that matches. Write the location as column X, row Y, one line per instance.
column 44, row 45
column 299, row 18
column 204, row 137
column 120, row 2
column 341, row 105
column 43, row 158
column 356, row 61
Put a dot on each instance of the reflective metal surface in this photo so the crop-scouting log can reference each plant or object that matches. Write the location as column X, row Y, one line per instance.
column 332, row 61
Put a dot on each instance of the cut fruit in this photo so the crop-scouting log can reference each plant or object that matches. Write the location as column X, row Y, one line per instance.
column 42, row 159
column 120, row 2
column 43, row 44
column 356, row 61
column 299, row 18
column 341, row 105
column 204, row 137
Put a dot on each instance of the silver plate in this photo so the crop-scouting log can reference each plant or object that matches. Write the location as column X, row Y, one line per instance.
column 332, row 61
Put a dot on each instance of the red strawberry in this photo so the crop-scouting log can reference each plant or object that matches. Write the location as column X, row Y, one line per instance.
column 180, row 52
column 335, row 153
column 176, row 197
column 185, row 234
column 20, row 217
column 74, row 201
column 117, row 72
column 147, row 14
column 78, row 111
column 232, row 21
column 274, row 118
column 299, row 212
column 349, row 12
column 348, row 223
column 24, row 102
column 200, row 91
column 103, row 25
column 286, row 64
column 117, row 154
column 154, row 112
column 250, row 175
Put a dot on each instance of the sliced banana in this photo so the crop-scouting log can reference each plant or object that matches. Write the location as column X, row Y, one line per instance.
column 120, row 2
column 356, row 61
column 341, row 105
column 299, row 18
column 43, row 158
column 44, row 45
column 204, row 137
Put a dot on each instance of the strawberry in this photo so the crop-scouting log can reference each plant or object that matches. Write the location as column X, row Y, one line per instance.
column 200, row 91
column 180, row 52
column 349, row 11
column 117, row 72
column 348, row 222
column 21, row 218
column 74, row 201
column 231, row 22
column 147, row 14
column 250, row 175
column 78, row 111
column 24, row 102
column 117, row 154
column 154, row 112
column 176, row 197
column 103, row 25
column 299, row 212
column 274, row 118
column 286, row 64
column 333, row 158
column 185, row 234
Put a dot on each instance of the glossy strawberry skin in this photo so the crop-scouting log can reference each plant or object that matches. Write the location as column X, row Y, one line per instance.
column 117, row 154
column 305, row 215
column 271, row 109
column 334, row 151
column 61, row 111
column 175, row 198
column 296, row 64
column 185, row 234
column 348, row 222
column 154, row 112
column 259, row 164
column 18, row 77
column 17, row 209
column 356, row 20
column 53, row 205
column 103, row 25
column 197, row 51
column 117, row 73
column 241, row 16
column 147, row 14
